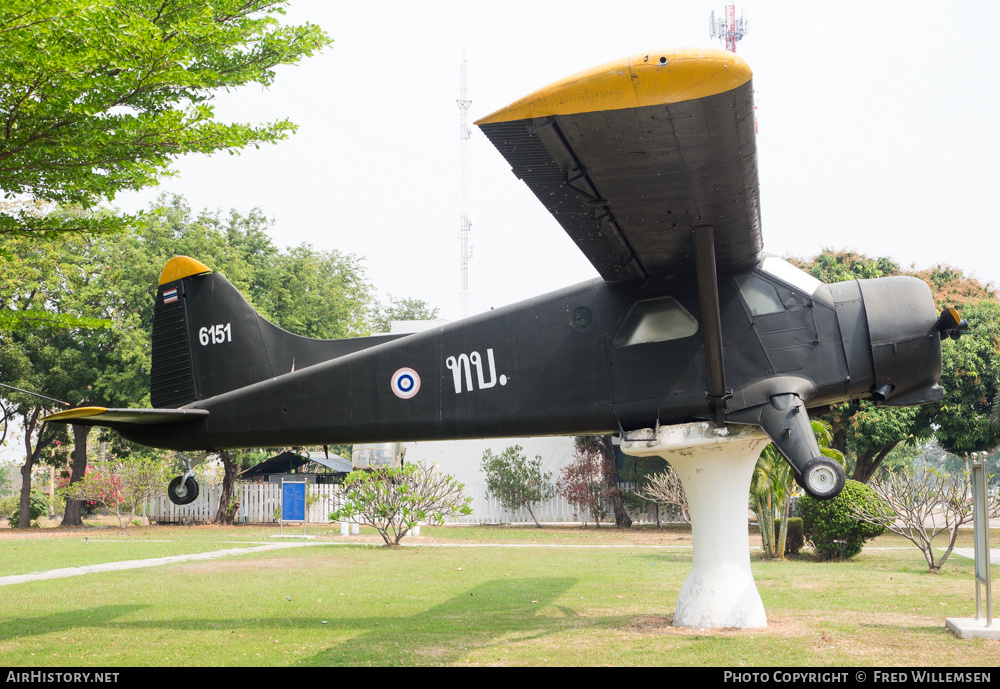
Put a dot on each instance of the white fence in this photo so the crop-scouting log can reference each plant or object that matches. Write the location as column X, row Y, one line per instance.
column 260, row 502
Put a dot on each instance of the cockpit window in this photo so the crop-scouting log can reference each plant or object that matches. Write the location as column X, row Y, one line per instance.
column 655, row 320
column 786, row 272
column 759, row 294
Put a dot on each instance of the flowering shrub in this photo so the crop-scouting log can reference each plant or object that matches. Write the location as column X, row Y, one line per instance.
column 395, row 500
column 121, row 485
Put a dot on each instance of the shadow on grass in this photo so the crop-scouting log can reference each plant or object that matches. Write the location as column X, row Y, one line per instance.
column 20, row 627
column 493, row 611
column 892, row 629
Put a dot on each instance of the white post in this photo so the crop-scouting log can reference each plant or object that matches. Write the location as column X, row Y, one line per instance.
column 716, row 466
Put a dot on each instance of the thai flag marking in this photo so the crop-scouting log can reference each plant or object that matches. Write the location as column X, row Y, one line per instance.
column 170, row 296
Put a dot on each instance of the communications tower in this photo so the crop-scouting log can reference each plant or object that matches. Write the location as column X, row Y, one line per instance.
column 465, row 229
column 729, row 29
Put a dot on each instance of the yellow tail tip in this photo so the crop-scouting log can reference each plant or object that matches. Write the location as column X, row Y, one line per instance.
column 181, row 267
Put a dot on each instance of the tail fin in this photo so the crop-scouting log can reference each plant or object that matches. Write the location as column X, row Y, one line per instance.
column 208, row 340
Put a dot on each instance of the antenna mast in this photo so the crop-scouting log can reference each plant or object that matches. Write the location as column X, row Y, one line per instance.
column 731, row 30
column 465, row 229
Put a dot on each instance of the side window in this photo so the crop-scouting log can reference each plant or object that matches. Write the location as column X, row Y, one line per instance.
column 759, row 294
column 655, row 320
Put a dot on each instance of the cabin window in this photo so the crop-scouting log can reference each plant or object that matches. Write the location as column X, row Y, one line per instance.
column 655, row 320
column 759, row 294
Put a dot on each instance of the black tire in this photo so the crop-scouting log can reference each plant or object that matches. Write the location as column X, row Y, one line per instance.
column 183, row 495
column 822, row 478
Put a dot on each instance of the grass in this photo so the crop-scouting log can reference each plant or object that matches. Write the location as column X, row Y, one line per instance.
column 458, row 606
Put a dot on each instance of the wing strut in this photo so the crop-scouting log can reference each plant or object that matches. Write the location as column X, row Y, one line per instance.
column 711, row 320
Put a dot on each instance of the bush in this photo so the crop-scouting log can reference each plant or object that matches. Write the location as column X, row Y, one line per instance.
column 394, row 500
column 830, row 527
column 9, row 504
column 796, row 536
column 38, row 505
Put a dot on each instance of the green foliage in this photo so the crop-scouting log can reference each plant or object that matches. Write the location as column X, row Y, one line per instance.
column 393, row 500
column 38, row 506
column 773, row 486
column 830, row 525
column 970, row 376
column 515, row 480
column 401, row 310
column 100, row 95
column 796, row 534
column 838, row 266
column 9, row 505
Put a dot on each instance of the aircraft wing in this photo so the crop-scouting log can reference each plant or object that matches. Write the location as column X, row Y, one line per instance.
column 631, row 155
column 122, row 418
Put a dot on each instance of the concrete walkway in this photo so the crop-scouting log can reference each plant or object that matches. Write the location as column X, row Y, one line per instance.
column 971, row 554
column 215, row 554
column 139, row 564
column 229, row 552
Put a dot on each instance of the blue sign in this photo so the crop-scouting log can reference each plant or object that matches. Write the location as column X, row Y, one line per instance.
column 293, row 502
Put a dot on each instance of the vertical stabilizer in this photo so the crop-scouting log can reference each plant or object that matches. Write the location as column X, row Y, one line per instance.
column 172, row 381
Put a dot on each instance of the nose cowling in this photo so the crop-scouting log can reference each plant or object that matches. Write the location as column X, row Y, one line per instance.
column 905, row 334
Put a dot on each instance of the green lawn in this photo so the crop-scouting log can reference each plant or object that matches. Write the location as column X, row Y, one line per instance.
column 358, row 605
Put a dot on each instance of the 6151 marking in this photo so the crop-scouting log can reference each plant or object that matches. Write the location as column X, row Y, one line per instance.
column 215, row 334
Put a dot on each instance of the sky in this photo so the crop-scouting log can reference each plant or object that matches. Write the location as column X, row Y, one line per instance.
column 875, row 134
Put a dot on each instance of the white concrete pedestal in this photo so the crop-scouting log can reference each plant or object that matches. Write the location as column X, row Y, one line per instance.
column 715, row 465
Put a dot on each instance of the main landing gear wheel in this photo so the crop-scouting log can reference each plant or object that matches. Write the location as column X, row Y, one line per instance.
column 823, row 478
column 183, row 494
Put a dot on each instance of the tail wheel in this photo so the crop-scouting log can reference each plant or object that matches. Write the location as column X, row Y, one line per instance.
column 183, row 493
column 823, row 478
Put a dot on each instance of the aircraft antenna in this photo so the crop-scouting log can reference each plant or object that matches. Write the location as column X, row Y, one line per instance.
column 729, row 29
column 465, row 229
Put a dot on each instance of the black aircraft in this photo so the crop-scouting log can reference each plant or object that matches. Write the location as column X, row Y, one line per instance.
column 649, row 164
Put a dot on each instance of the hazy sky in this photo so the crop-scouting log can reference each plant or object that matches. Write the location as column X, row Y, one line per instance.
column 877, row 133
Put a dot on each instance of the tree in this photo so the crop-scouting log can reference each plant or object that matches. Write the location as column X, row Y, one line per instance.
column 919, row 507
column 581, row 481
column 870, row 432
column 401, row 310
column 394, row 500
column 665, row 488
column 99, row 96
column 233, row 461
column 515, row 480
column 122, row 485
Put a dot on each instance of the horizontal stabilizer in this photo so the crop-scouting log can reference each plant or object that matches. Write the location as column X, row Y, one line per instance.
column 101, row 416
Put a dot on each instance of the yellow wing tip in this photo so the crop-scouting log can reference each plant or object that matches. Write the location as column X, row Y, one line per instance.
column 181, row 267
column 75, row 413
column 651, row 78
